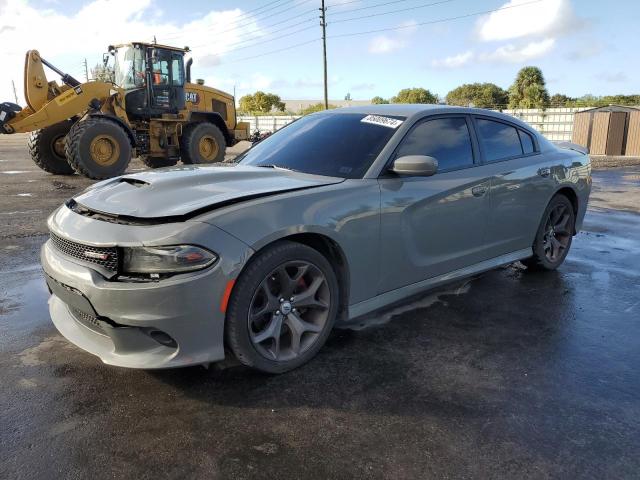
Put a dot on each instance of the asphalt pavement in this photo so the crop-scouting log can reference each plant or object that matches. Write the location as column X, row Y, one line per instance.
column 508, row 375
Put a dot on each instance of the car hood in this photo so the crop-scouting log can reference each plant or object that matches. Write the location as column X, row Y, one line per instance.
column 180, row 191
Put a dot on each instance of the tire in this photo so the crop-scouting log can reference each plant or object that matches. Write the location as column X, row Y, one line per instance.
column 98, row 148
column 46, row 147
column 158, row 162
column 554, row 235
column 312, row 312
column 202, row 143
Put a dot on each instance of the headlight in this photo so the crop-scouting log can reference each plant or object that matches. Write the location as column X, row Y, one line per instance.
column 173, row 259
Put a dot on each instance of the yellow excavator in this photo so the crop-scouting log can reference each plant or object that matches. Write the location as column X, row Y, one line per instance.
column 149, row 108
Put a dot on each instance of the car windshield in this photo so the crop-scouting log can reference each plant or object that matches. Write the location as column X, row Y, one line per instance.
column 334, row 144
column 129, row 67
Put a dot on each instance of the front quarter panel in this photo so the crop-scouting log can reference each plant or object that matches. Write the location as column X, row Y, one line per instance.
column 348, row 213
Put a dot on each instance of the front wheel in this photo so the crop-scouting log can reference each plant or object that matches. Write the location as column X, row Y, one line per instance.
column 98, row 148
column 554, row 235
column 46, row 147
column 283, row 308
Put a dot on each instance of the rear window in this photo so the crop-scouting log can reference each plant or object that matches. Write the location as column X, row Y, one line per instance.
column 527, row 142
column 335, row 144
column 499, row 140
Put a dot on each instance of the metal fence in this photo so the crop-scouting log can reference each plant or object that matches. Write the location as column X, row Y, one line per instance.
column 553, row 123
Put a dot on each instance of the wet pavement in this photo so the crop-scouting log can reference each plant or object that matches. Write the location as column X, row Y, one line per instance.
column 507, row 375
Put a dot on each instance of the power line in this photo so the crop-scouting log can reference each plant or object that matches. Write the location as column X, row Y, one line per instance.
column 392, row 11
column 272, row 51
column 368, row 7
column 265, row 41
column 431, row 22
column 241, row 18
column 267, row 34
column 263, row 18
column 442, row 20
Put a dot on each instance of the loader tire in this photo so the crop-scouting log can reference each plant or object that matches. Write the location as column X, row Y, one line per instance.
column 98, row 148
column 202, row 143
column 46, row 147
column 158, row 162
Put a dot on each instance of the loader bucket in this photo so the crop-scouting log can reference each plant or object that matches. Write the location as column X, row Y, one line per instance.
column 8, row 111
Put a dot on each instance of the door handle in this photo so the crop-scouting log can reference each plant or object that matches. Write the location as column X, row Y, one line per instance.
column 544, row 172
column 479, row 191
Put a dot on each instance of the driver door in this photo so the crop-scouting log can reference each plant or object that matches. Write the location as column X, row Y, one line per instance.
column 166, row 75
column 434, row 225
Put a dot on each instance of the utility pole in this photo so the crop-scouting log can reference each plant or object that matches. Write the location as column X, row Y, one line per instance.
column 15, row 95
column 86, row 70
column 323, row 24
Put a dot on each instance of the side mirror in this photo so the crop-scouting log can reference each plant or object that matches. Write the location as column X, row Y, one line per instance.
column 415, row 165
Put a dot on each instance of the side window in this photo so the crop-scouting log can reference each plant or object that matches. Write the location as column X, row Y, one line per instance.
column 499, row 140
column 160, row 72
column 176, row 70
column 445, row 139
column 527, row 142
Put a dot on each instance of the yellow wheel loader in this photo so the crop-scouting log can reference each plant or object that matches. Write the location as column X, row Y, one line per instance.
column 151, row 110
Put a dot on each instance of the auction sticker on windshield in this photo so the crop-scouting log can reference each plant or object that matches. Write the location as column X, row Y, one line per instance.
column 383, row 121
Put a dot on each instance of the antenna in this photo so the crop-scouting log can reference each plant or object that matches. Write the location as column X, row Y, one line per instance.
column 14, row 90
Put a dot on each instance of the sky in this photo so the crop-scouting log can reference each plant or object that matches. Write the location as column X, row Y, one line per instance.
column 582, row 46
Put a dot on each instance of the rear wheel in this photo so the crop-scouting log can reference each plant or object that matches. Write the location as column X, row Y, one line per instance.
column 283, row 308
column 98, row 148
column 554, row 235
column 202, row 143
column 158, row 162
column 46, row 147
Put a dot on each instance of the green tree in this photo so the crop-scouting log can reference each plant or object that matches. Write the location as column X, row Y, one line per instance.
column 414, row 95
column 318, row 107
column 261, row 102
column 528, row 89
column 482, row 95
column 379, row 101
column 103, row 73
column 561, row 100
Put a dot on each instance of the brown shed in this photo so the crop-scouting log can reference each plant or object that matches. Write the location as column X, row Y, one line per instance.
column 633, row 135
column 608, row 130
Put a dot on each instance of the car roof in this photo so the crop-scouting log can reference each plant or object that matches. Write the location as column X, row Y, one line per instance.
column 418, row 110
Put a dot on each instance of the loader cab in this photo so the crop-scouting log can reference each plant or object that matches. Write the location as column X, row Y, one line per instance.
column 152, row 76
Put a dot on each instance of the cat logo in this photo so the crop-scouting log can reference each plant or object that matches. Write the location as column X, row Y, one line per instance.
column 192, row 97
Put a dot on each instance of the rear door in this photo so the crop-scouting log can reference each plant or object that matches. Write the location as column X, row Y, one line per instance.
column 520, row 184
column 434, row 225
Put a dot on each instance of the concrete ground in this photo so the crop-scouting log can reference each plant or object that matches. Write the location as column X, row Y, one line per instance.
column 508, row 375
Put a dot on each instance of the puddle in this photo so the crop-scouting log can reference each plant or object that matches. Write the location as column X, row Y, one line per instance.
column 14, row 172
column 24, row 195
column 23, row 306
column 424, row 302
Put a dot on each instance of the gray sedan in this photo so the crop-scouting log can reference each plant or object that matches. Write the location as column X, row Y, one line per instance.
column 336, row 215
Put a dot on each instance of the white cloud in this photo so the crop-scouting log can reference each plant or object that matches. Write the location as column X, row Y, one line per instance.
column 517, row 54
column 545, row 18
column 504, row 54
column 385, row 44
column 454, row 61
column 78, row 35
column 388, row 43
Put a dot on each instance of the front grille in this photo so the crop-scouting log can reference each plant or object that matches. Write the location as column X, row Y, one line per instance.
column 106, row 257
column 89, row 321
